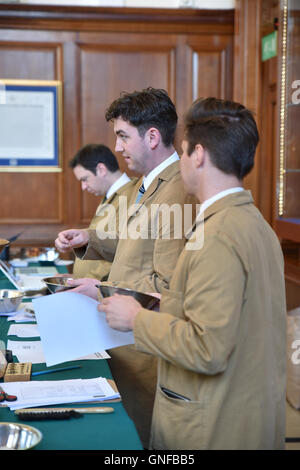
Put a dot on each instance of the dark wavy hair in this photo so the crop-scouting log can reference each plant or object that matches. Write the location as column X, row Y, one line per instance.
column 227, row 130
column 150, row 107
column 90, row 155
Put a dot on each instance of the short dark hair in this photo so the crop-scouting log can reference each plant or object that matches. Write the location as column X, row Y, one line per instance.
column 90, row 155
column 150, row 107
column 227, row 130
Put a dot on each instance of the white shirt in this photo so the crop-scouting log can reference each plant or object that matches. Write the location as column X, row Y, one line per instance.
column 158, row 169
column 124, row 179
column 218, row 196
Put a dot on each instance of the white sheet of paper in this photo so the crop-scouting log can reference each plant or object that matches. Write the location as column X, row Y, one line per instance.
column 23, row 331
column 70, row 327
column 27, row 351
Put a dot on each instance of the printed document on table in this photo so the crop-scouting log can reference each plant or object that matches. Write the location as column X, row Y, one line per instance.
column 54, row 392
column 71, row 326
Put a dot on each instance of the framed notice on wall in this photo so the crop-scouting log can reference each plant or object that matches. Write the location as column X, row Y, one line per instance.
column 31, row 125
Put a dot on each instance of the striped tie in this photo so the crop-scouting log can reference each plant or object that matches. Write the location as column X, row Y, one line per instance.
column 140, row 193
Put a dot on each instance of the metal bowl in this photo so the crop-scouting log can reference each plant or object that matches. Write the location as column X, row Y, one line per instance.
column 15, row 436
column 3, row 243
column 146, row 300
column 58, row 283
column 10, row 300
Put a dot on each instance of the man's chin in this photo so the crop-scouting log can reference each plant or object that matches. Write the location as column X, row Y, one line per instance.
column 130, row 164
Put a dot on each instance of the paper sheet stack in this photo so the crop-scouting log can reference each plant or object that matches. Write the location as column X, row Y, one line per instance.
column 55, row 392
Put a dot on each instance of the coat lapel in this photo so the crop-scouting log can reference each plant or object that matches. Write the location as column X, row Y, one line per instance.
column 165, row 175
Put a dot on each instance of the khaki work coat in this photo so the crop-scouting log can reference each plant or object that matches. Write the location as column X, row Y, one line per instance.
column 220, row 337
column 145, row 264
column 99, row 269
column 147, row 251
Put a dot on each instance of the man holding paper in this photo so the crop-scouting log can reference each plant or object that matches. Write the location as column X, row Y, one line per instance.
column 145, row 124
column 220, row 333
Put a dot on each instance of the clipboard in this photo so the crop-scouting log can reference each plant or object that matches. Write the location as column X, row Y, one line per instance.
column 112, row 383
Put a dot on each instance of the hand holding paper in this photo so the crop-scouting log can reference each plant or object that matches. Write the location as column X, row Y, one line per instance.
column 71, row 326
column 120, row 311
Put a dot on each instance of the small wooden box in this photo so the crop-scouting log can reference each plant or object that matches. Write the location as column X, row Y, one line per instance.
column 18, row 372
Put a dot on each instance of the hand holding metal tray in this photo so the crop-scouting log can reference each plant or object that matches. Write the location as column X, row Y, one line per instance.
column 146, row 300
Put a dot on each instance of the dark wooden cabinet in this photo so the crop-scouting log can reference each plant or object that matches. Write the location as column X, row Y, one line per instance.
column 287, row 195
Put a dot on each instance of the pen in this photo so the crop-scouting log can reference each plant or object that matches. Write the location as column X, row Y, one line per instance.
column 54, row 370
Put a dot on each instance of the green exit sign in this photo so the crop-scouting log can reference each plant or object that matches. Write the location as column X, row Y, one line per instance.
column 269, row 46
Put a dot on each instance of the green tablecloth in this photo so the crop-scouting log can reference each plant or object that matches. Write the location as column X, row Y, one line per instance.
column 114, row 431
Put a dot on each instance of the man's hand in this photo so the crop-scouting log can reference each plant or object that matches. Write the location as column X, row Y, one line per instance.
column 120, row 311
column 69, row 239
column 85, row 286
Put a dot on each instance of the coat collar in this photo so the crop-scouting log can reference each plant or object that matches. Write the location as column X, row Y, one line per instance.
column 166, row 175
column 103, row 204
column 235, row 199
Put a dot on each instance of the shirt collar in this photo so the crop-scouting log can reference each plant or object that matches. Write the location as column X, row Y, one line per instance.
column 159, row 168
column 218, row 196
column 124, row 179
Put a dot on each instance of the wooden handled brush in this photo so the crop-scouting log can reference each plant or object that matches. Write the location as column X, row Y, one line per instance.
column 31, row 414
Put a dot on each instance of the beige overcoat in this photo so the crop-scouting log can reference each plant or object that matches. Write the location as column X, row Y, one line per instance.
column 145, row 264
column 99, row 269
column 220, row 337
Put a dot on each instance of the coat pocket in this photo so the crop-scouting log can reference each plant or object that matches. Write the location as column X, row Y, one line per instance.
column 179, row 424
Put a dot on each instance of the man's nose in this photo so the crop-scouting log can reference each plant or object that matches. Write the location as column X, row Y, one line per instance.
column 118, row 146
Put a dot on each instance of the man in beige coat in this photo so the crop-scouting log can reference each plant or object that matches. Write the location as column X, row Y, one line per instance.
column 150, row 242
column 97, row 170
column 220, row 333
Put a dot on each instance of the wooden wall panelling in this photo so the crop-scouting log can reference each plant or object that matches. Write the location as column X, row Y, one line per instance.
column 247, row 72
column 71, row 188
column 99, row 53
column 204, row 69
column 104, row 74
column 268, row 139
column 64, row 18
column 212, row 66
column 209, row 57
column 28, row 199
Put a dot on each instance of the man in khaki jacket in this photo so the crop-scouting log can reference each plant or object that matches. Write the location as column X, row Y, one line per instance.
column 150, row 242
column 220, row 333
column 97, row 169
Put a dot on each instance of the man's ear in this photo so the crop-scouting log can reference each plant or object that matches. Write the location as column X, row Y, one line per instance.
column 153, row 137
column 199, row 155
column 101, row 169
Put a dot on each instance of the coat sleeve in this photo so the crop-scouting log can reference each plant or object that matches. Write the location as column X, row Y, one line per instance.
column 201, row 333
column 97, row 249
